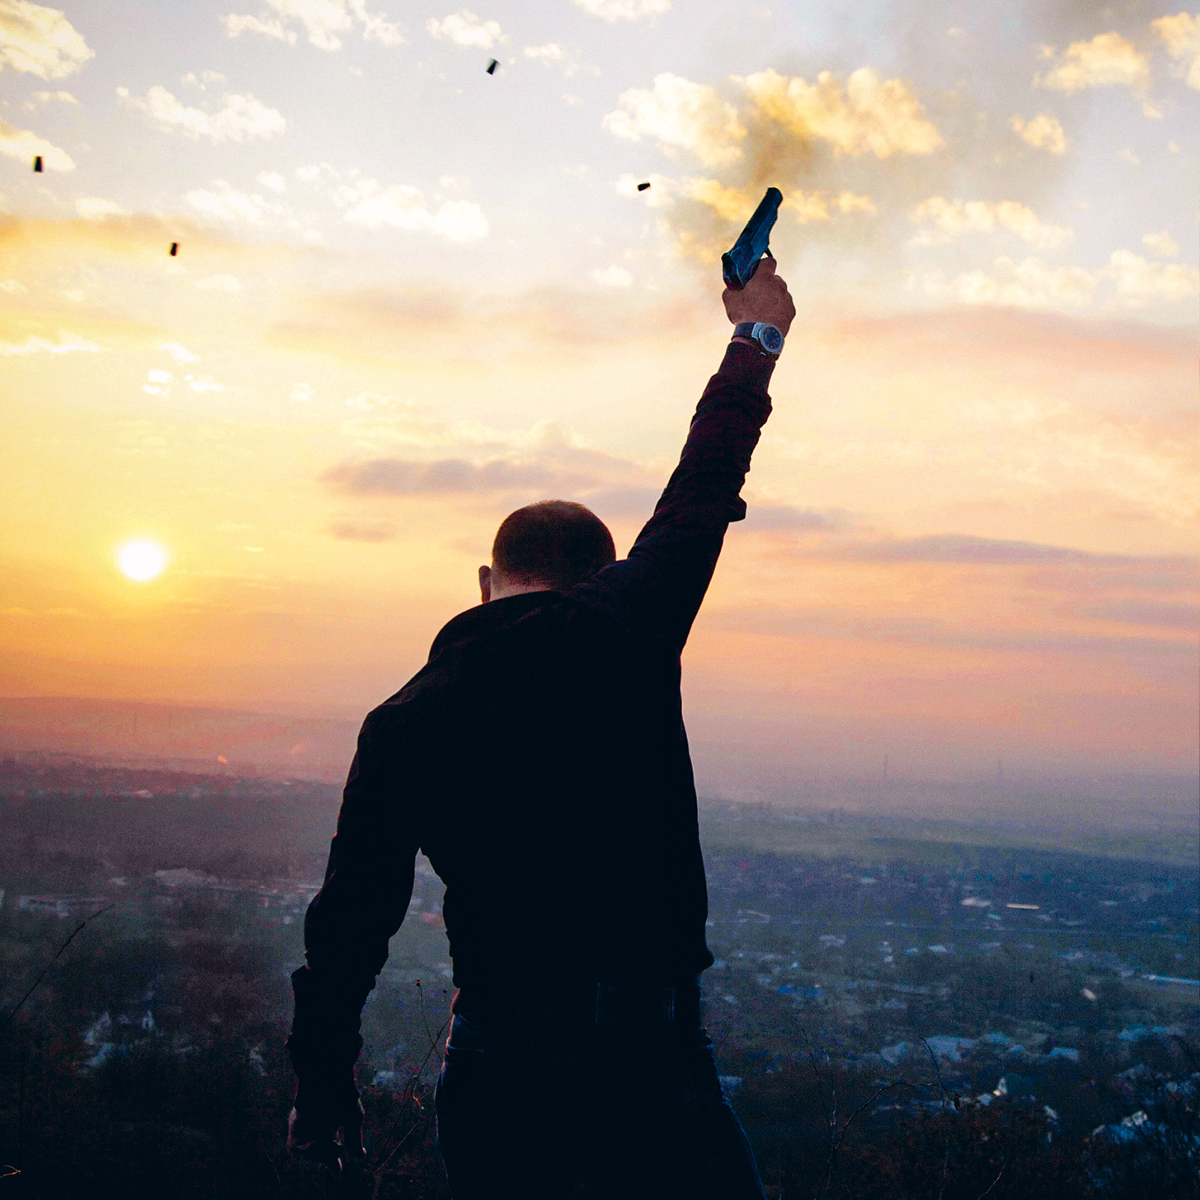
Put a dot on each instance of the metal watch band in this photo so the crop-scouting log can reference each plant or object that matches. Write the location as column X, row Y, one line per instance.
column 752, row 330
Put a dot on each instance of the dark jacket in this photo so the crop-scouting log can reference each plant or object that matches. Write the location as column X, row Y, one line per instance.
column 539, row 760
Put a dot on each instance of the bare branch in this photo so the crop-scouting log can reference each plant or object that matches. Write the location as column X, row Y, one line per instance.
column 42, row 975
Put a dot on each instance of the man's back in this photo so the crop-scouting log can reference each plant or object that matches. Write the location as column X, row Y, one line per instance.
column 563, row 819
column 539, row 758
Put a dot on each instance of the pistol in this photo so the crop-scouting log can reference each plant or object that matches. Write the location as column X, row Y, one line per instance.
column 739, row 265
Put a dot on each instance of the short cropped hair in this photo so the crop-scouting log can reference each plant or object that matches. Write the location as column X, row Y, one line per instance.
column 555, row 543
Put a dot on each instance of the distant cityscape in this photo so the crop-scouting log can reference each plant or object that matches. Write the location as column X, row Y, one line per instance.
column 958, row 964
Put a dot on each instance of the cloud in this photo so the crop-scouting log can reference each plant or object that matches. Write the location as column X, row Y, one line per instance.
column 948, row 220
column 1181, row 33
column 623, row 10
column 36, row 99
column 1161, row 243
column 1043, row 131
column 1028, row 284
column 272, row 181
column 1138, row 282
column 933, row 631
column 203, row 383
column 368, row 202
column 362, row 531
column 96, row 208
column 785, row 518
column 400, row 477
column 322, row 20
column 40, row 41
column 226, row 203
column 180, row 353
column 613, row 276
column 242, row 119
column 965, row 549
column 272, row 27
column 68, row 343
column 867, row 113
column 466, row 29
column 681, row 115
column 553, row 55
column 1152, row 613
column 203, row 79
column 23, row 144
column 158, row 382
column 1108, row 60
column 219, row 283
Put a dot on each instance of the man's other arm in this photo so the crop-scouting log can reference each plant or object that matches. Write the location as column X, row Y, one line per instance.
column 362, row 902
column 659, row 587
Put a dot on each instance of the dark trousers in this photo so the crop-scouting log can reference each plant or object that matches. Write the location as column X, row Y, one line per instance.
column 624, row 1106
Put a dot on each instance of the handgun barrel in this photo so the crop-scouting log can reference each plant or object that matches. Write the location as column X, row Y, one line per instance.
column 739, row 265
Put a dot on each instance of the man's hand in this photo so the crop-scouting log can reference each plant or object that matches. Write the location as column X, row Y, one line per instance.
column 765, row 298
column 318, row 1116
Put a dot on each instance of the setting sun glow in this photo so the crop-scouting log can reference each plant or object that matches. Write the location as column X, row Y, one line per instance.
column 141, row 560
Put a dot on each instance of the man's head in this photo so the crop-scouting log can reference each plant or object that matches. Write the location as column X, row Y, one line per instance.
column 549, row 546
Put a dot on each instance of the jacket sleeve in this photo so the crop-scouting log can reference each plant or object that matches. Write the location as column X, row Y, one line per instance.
column 658, row 588
column 362, row 902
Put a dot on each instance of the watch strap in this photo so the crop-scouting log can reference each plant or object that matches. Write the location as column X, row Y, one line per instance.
column 750, row 329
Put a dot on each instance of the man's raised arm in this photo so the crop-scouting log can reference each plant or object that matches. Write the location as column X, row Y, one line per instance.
column 661, row 584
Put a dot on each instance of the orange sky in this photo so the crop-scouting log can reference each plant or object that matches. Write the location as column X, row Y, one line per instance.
column 973, row 512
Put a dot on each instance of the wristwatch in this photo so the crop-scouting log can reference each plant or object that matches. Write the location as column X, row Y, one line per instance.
column 767, row 336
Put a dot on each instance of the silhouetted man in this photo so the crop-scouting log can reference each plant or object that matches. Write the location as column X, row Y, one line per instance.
column 539, row 760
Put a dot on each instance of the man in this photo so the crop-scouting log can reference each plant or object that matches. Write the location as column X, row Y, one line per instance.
column 539, row 760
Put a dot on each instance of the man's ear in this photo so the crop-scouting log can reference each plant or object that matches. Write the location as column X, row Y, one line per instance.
column 485, row 584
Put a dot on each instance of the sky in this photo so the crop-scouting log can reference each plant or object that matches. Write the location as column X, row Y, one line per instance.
column 411, row 296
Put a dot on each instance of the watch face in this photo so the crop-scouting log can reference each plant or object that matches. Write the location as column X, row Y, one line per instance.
column 770, row 339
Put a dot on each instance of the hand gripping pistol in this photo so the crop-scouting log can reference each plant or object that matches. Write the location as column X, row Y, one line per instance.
column 739, row 265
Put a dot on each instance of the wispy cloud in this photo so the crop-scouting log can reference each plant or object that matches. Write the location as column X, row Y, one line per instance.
column 613, row 276
column 947, row 220
column 24, row 144
column 40, row 40
column 67, row 343
column 37, row 99
column 623, row 10
column 370, row 203
column 1161, row 243
column 680, row 115
column 1108, row 60
column 362, row 531
column 321, row 20
column 1150, row 613
column 243, row 118
column 1043, row 131
column 829, row 622
column 969, row 550
column 1130, row 281
column 1181, row 33
column 400, row 477
column 553, row 55
column 466, row 29
column 97, row 208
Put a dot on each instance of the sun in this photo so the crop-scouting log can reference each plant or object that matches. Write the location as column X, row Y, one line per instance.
column 141, row 559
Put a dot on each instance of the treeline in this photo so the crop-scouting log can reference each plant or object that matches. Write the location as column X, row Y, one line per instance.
column 69, row 819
